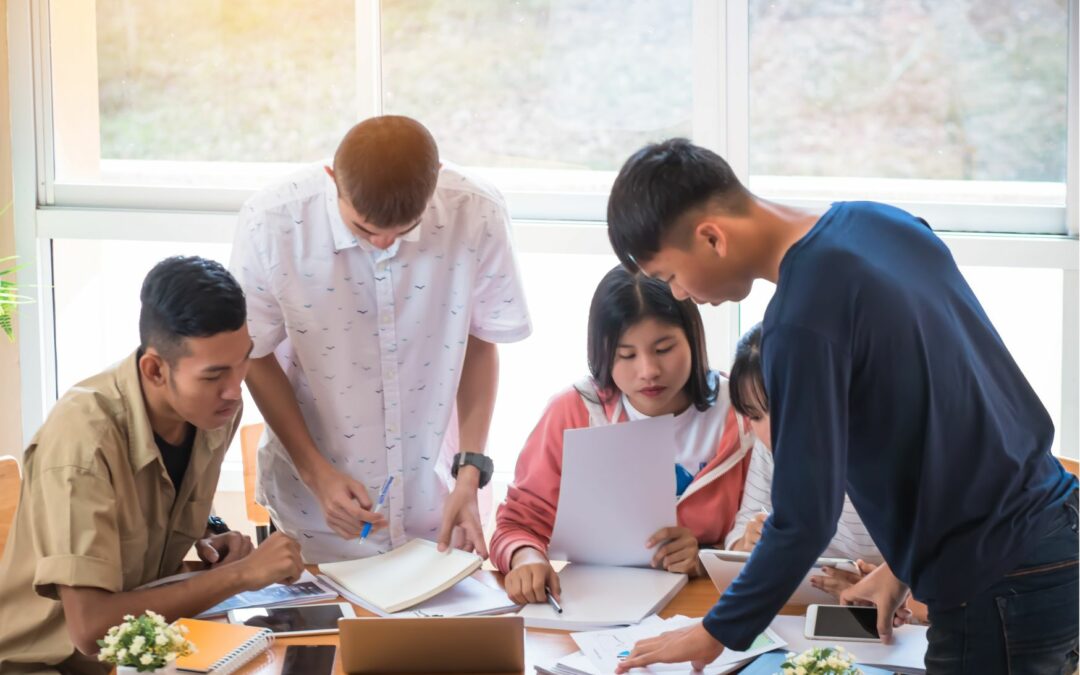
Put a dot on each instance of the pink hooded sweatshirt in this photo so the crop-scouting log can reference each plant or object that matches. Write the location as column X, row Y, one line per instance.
column 707, row 507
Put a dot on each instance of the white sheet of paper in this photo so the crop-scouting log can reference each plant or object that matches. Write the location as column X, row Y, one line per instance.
column 605, row 649
column 595, row 597
column 908, row 650
column 622, row 477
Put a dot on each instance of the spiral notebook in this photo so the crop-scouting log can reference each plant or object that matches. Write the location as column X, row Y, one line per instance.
column 222, row 648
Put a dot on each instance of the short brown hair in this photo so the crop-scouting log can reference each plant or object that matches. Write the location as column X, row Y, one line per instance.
column 387, row 167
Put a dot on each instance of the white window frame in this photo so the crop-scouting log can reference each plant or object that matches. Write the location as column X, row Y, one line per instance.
column 543, row 221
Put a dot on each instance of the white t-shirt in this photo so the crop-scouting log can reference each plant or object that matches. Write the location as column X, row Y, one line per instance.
column 372, row 341
column 851, row 540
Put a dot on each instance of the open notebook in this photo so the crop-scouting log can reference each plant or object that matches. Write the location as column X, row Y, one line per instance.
column 596, row 596
column 401, row 578
column 222, row 648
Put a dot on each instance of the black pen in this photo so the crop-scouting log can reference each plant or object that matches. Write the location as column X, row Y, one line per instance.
column 551, row 601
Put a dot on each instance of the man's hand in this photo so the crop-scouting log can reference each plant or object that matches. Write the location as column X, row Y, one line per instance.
column 752, row 534
column 345, row 502
column 221, row 549
column 693, row 644
column 461, row 514
column 277, row 560
column 835, row 581
column 884, row 591
column 530, row 574
column 678, row 553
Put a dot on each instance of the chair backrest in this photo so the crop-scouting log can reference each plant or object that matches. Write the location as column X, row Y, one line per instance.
column 249, row 446
column 1071, row 465
column 10, row 482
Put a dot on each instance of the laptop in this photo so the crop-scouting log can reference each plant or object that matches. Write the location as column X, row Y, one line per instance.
column 465, row 644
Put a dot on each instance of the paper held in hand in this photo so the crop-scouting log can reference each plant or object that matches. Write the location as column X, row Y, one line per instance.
column 622, row 477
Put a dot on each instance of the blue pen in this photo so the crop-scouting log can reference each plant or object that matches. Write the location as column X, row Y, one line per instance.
column 378, row 507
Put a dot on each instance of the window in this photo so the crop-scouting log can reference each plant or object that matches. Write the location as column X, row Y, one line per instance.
column 542, row 85
column 137, row 121
column 960, row 101
column 194, row 92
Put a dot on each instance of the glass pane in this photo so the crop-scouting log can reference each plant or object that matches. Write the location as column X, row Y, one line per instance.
column 205, row 80
column 540, row 84
column 958, row 90
column 1025, row 306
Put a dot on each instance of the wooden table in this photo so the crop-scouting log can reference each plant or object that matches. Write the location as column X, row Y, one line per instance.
column 541, row 646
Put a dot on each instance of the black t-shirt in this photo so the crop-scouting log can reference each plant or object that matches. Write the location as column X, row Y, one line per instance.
column 176, row 457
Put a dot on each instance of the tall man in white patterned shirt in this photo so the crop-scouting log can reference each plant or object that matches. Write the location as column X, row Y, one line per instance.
column 377, row 290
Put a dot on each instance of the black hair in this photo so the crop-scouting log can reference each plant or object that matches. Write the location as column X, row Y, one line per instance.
column 621, row 300
column 746, row 383
column 387, row 167
column 657, row 186
column 186, row 297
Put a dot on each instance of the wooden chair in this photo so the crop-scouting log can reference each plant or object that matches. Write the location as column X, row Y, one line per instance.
column 1071, row 465
column 256, row 514
column 10, row 482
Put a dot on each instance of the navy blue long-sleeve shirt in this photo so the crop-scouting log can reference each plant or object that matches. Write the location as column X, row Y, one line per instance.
column 886, row 378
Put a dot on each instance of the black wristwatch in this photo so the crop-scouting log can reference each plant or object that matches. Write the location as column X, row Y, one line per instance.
column 482, row 462
column 216, row 525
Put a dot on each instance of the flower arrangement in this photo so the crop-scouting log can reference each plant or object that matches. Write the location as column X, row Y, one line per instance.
column 821, row 661
column 145, row 643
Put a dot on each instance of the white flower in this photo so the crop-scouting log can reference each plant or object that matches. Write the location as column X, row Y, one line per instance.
column 161, row 640
column 128, row 617
column 170, row 657
column 800, row 671
column 146, row 659
column 121, row 654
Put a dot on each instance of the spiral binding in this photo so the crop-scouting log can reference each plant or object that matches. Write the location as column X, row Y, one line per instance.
column 238, row 657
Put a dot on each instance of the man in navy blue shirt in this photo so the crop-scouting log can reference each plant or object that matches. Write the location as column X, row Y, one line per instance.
column 885, row 378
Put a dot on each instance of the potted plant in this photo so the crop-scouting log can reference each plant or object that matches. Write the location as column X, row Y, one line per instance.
column 821, row 661
column 9, row 296
column 144, row 645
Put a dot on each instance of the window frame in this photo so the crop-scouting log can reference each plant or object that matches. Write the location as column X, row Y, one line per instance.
column 544, row 221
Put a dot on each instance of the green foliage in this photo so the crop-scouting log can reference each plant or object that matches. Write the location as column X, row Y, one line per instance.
column 9, row 296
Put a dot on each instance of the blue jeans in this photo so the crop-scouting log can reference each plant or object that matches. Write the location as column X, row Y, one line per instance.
column 1026, row 623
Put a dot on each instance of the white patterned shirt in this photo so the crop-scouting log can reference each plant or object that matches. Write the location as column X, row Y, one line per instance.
column 851, row 540
column 372, row 342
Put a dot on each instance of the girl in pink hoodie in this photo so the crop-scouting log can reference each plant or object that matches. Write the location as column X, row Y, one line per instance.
column 647, row 357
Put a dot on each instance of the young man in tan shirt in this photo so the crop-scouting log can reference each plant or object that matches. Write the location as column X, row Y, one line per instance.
column 119, row 481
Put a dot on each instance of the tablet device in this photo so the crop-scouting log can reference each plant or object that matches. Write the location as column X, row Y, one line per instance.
column 295, row 620
column 723, row 566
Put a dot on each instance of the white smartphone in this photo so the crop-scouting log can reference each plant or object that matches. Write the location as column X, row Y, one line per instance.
column 843, row 623
column 295, row 620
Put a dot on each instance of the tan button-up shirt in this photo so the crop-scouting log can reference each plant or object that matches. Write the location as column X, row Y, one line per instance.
column 97, row 509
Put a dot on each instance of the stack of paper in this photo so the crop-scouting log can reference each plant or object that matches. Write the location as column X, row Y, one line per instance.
column 401, row 578
column 305, row 590
column 601, row 651
column 601, row 597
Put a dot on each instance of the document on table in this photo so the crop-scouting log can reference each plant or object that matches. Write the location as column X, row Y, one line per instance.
column 906, row 653
column 606, row 649
column 601, row 597
column 617, row 489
